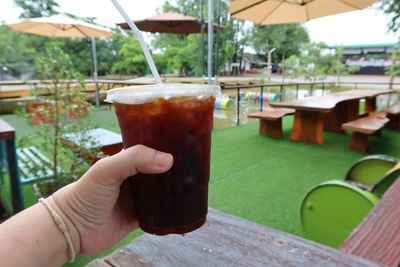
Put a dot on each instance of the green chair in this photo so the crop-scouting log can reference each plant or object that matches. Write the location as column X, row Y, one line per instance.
column 331, row 210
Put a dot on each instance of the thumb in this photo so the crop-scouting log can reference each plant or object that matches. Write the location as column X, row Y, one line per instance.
column 128, row 162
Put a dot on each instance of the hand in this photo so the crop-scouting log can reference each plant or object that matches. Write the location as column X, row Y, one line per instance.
column 98, row 208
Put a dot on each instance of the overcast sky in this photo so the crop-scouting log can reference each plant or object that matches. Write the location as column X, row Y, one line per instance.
column 359, row 27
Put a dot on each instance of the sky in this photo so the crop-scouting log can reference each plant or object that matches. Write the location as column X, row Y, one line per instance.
column 368, row 26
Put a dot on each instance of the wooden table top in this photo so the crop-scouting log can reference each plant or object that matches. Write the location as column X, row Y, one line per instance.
column 366, row 93
column 100, row 136
column 227, row 240
column 377, row 237
column 7, row 132
column 323, row 103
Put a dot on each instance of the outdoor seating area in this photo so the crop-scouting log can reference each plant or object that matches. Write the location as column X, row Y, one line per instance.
column 256, row 173
column 200, row 133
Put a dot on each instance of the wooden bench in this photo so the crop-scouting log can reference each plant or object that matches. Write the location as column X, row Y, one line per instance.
column 271, row 120
column 393, row 113
column 377, row 237
column 33, row 165
column 364, row 127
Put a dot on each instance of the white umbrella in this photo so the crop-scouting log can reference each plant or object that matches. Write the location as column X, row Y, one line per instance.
column 63, row 26
column 266, row 12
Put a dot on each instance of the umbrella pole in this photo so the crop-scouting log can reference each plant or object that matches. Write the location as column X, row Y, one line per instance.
column 210, row 38
column 217, row 41
column 95, row 71
column 202, row 36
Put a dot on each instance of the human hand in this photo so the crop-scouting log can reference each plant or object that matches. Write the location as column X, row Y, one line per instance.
column 98, row 208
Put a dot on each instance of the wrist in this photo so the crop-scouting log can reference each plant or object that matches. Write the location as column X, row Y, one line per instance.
column 72, row 230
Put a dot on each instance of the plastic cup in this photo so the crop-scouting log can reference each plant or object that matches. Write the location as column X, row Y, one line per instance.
column 174, row 118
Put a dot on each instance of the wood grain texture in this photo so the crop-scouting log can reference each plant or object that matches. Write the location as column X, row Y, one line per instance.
column 343, row 112
column 393, row 113
column 308, row 127
column 365, row 93
column 228, row 241
column 393, row 110
column 366, row 125
column 323, row 103
column 6, row 131
column 271, row 128
column 377, row 238
column 271, row 121
column 359, row 142
column 272, row 114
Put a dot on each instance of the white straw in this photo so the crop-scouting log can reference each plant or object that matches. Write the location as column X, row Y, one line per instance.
column 139, row 36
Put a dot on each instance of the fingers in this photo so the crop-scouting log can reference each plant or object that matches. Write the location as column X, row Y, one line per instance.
column 129, row 162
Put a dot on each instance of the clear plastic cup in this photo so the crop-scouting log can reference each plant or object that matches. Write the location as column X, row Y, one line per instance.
column 174, row 118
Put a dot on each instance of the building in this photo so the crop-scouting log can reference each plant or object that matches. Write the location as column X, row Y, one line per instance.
column 372, row 58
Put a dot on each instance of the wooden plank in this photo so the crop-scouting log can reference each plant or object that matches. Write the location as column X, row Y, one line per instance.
column 308, row 126
column 6, row 131
column 323, row 103
column 366, row 125
column 393, row 110
column 226, row 240
column 377, row 238
column 273, row 114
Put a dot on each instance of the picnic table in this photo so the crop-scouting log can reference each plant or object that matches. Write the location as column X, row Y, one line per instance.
column 369, row 96
column 226, row 240
column 309, row 117
column 108, row 142
column 8, row 153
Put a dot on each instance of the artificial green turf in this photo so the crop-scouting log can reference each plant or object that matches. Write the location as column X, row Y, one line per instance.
column 262, row 178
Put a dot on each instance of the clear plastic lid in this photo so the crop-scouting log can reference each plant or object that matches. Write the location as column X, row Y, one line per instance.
column 147, row 93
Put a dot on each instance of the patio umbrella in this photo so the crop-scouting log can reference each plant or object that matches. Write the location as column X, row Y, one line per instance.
column 170, row 22
column 63, row 26
column 175, row 23
column 266, row 12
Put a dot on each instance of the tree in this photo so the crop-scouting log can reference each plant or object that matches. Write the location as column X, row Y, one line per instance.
column 183, row 53
column 287, row 39
column 132, row 60
column 312, row 63
column 17, row 54
column 37, row 8
column 392, row 7
column 338, row 68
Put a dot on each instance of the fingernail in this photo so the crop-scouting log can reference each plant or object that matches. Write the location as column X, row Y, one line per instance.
column 162, row 159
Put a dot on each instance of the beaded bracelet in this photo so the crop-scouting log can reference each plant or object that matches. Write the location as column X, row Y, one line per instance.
column 61, row 226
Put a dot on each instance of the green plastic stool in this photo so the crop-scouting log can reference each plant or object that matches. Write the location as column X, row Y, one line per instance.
column 331, row 210
column 370, row 169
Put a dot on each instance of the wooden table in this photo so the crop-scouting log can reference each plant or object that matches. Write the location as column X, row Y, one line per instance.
column 369, row 95
column 314, row 114
column 377, row 238
column 226, row 240
column 7, row 147
column 109, row 142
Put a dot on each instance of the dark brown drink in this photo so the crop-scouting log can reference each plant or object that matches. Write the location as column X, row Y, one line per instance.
column 175, row 201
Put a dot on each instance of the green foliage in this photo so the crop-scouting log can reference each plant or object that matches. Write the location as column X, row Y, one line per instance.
column 56, row 70
column 131, row 58
column 338, row 68
column 312, row 63
column 287, row 39
column 394, row 69
column 183, row 53
column 18, row 51
column 37, row 8
column 392, row 8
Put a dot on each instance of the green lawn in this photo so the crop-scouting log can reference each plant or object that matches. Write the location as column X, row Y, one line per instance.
column 256, row 177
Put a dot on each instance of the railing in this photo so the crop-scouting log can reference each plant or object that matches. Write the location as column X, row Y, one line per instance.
column 298, row 86
column 279, row 88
